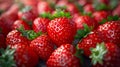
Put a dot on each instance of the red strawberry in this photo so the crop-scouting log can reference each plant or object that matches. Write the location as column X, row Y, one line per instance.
column 100, row 15
column 45, row 8
column 80, row 20
column 40, row 24
column 7, row 19
column 61, row 30
column 88, row 8
column 89, row 41
column 15, row 37
column 2, row 41
column 43, row 46
column 27, row 14
column 25, row 56
column 72, row 8
column 63, row 56
column 19, row 23
column 105, row 55
column 110, row 32
column 116, row 11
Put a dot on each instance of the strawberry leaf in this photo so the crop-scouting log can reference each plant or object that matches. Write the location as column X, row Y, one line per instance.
column 83, row 32
column 46, row 15
column 7, row 57
column 61, row 13
column 97, row 54
column 29, row 34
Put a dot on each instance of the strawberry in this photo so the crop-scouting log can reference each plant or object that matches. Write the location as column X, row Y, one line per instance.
column 18, row 23
column 105, row 55
column 63, row 56
column 40, row 24
column 88, row 8
column 89, row 41
column 43, row 46
column 72, row 8
column 80, row 20
column 61, row 29
column 8, row 18
column 27, row 14
column 45, row 8
column 15, row 37
column 116, row 11
column 110, row 32
column 100, row 15
column 25, row 56
column 2, row 41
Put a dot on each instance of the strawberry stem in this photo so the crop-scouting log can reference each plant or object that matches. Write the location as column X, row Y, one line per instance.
column 97, row 54
column 46, row 15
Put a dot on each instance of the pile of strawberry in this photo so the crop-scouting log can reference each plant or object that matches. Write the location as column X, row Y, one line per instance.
column 60, row 33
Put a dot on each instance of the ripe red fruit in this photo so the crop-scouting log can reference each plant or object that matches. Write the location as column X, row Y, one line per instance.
column 88, row 8
column 43, row 46
column 61, row 30
column 18, row 23
column 27, row 14
column 110, row 32
column 105, row 55
column 72, row 8
column 2, row 41
column 43, row 7
column 116, row 11
column 100, row 15
column 63, row 56
column 88, row 42
column 80, row 20
column 40, row 24
column 15, row 37
column 25, row 56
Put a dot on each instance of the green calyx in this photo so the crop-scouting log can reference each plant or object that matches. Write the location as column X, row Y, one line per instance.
column 97, row 54
column 29, row 34
column 83, row 32
column 25, row 9
column 46, row 15
column 7, row 57
column 61, row 13
column 100, row 6
column 110, row 18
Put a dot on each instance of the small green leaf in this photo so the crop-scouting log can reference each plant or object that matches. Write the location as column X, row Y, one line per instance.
column 61, row 13
column 46, row 15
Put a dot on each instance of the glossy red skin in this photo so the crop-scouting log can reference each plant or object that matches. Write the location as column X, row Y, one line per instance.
column 40, row 24
column 28, row 15
column 72, row 8
column 43, row 46
column 7, row 19
column 63, row 56
column 80, row 20
column 25, row 56
column 100, row 15
column 2, row 41
column 43, row 7
column 15, row 37
column 88, row 8
column 112, row 57
column 18, row 23
column 88, row 42
column 116, row 11
column 61, row 30
column 110, row 32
